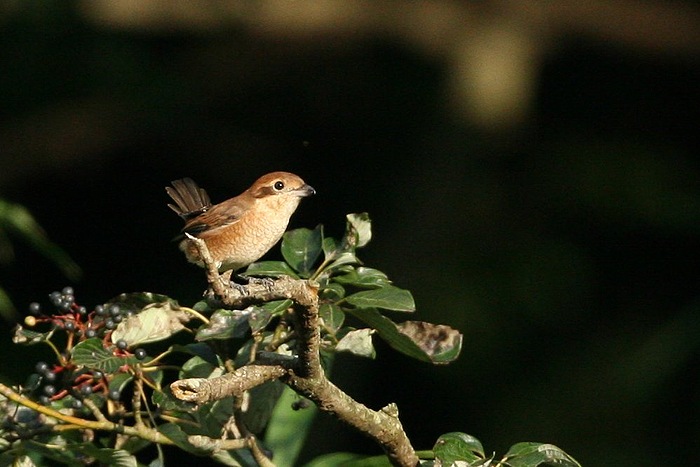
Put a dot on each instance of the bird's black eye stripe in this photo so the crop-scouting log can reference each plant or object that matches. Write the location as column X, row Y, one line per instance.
column 279, row 185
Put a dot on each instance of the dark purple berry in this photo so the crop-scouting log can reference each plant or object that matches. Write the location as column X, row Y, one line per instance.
column 49, row 390
column 77, row 404
column 110, row 324
column 82, row 310
column 50, row 376
column 86, row 390
column 55, row 298
column 122, row 344
column 114, row 310
column 34, row 308
column 44, row 400
column 97, row 375
column 90, row 333
column 99, row 310
column 140, row 354
column 114, row 395
column 69, row 326
column 41, row 367
column 67, row 290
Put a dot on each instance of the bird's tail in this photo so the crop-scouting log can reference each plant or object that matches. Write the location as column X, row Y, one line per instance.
column 190, row 199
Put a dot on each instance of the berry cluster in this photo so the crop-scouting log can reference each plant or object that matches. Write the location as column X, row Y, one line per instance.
column 55, row 382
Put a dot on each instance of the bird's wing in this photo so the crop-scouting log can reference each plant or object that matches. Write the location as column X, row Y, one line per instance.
column 218, row 216
column 190, row 200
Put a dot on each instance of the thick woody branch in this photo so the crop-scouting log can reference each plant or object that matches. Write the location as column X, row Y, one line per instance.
column 304, row 374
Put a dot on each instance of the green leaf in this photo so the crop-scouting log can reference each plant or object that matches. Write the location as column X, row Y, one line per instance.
column 534, row 454
column 179, row 437
column 332, row 316
column 18, row 219
column 348, row 459
column 288, row 427
column 441, row 343
column 197, row 367
column 92, row 354
column 270, row 268
column 388, row 331
column 225, row 324
column 389, row 298
column 29, row 337
column 105, row 456
column 277, row 307
column 453, row 447
column 7, row 309
column 332, row 292
column 357, row 342
column 358, row 230
column 120, row 381
column 156, row 322
column 136, row 301
column 258, row 319
column 301, row 248
column 364, row 277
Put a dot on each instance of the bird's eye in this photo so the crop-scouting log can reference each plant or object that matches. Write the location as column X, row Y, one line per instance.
column 279, row 185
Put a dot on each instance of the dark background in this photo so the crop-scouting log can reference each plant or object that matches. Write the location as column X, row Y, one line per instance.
column 532, row 171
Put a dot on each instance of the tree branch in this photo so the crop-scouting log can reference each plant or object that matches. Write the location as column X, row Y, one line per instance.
column 303, row 374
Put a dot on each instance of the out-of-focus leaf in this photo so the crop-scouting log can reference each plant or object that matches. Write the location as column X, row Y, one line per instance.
column 359, row 229
column 364, row 277
column 357, row 342
column 270, row 268
column 453, row 447
column 332, row 316
column 301, row 248
column 261, row 404
column 28, row 337
column 348, row 459
column 156, row 322
column 92, row 354
column 16, row 218
column 7, row 309
column 105, row 456
column 389, row 298
column 225, row 324
column 534, row 454
column 288, row 428
column 440, row 342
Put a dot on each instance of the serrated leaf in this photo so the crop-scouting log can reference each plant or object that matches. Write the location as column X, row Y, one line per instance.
column 533, row 454
column 364, row 277
column 357, row 342
column 156, row 322
column 270, row 268
column 24, row 336
column 332, row 315
column 440, row 342
column 389, row 298
column 301, row 248
column 453, row 447
column 225, row 324
column 288, row 428
column 92, row 354
column 359, row 228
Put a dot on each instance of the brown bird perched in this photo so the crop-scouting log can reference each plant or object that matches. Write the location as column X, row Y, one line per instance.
column 239, row 230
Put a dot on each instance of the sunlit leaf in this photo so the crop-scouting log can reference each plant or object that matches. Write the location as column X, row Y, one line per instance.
column 359, row 227
column 534, row 454
column 357, row 342
column 389, row 298
column 92, row 354
column 28, row 337
column 388, row 331
column 301, row 248
column 270, row 268
column 440, row 342
column 225, row 324
column 156, row 322
column 259, row 318
column 364, row 277
column 453, row 447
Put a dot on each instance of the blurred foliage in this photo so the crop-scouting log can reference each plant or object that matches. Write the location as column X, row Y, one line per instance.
column 17, row 222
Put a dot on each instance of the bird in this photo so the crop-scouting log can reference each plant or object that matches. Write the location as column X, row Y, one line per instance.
column 240, row 230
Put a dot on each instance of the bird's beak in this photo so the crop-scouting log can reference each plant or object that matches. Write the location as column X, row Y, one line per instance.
column 304, row 191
